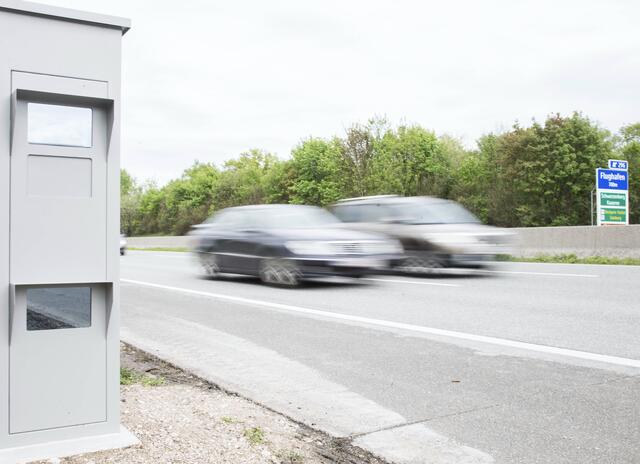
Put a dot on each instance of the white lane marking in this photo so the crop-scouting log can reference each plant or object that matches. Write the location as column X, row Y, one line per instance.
column 414, row 282
column 555, row 274
column 603, row 358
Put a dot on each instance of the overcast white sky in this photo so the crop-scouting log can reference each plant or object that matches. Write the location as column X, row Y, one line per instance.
column 207, row 80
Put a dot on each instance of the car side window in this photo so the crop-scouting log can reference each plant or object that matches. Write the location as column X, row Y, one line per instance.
column 236, row 220
column 343, row 212
column 349, row 213
column 227, row 220
column 372, row 213
column 398, row 212
column 361, row 213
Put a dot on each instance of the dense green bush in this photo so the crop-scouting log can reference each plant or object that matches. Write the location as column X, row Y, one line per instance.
column 540, row 175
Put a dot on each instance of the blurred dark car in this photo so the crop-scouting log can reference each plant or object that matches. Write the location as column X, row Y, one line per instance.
column 434, row 233
column 283, row 244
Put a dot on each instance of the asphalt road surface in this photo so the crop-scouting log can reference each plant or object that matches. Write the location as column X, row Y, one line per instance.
column 529, row 363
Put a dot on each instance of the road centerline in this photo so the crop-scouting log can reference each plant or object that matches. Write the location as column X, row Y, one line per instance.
column 565, row 352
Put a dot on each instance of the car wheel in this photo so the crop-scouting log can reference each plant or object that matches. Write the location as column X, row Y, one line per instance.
column 424, row 265
column 209, row 262
column 279, row 272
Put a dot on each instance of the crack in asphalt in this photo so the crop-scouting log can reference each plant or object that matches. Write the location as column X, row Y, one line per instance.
column 490, row 406
column 420, row 421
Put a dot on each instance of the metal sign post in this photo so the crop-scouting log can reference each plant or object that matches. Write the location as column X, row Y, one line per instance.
column 612, row 194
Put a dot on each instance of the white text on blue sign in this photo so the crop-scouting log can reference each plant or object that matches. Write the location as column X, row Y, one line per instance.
column 618, row 164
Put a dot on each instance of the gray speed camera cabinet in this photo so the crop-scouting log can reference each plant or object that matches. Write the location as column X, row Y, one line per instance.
column 59, row 231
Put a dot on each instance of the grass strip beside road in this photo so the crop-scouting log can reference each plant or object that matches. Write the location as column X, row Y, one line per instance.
column 131, row 377
column 570, row 258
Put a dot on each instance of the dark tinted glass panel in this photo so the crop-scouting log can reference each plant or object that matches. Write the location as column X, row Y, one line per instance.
column 361, row 213
column 347, row 213
column 58, row 308
column 292, row 217
column 443, row 212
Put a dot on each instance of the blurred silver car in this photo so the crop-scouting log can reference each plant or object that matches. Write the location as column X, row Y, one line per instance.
column 434, row 233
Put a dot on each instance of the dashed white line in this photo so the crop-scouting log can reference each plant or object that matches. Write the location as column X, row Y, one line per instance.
column 555, row 274
column 413, row 282
column 615, row 360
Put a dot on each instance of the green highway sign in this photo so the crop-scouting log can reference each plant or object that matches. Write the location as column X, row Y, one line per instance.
column 613, row 215
column 613, row 199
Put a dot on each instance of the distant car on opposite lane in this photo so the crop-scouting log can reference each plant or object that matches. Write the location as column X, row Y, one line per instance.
column 123, row 244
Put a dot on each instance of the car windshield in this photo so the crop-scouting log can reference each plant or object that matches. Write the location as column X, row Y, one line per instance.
column 445, row 212
column 294, row 217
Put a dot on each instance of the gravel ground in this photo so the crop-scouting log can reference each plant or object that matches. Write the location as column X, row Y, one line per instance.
column 182, row 419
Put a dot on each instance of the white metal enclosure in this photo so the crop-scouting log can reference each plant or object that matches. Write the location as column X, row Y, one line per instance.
column 59, row 231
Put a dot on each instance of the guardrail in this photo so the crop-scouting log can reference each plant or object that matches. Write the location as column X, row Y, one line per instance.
column 606, row 241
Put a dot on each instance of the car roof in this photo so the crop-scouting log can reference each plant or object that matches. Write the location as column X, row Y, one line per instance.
column 260, row 207
column 389, row 199
column 368, row 198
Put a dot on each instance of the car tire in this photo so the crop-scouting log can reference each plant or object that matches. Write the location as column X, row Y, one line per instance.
column 279, row 272
column 421, row 265
column 209, row 263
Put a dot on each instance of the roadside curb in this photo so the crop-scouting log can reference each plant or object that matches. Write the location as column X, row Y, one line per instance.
column 330, row 448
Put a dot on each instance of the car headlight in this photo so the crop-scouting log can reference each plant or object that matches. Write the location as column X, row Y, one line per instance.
column 309, row 247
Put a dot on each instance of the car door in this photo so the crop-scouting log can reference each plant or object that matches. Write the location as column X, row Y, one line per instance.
column 219, row 236
column 242, row 246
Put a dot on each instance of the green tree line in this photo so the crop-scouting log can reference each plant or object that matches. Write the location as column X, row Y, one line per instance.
column 539, row 175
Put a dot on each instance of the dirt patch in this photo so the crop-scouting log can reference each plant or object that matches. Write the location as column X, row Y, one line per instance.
column 180, row 418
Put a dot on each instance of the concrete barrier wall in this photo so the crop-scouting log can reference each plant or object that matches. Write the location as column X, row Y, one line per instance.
column 609, row 241
column 158, row 242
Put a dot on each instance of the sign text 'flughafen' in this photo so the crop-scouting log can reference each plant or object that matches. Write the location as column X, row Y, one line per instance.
column 612, row 193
